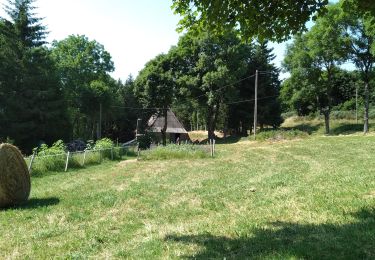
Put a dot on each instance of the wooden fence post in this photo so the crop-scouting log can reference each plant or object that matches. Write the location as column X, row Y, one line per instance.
column 212, row 148
column 84, row 158
column 112, row 153
column 214, row 143
column 67, row 161
column 31, row 162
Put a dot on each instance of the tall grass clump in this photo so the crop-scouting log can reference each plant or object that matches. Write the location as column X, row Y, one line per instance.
column 174, row 151
column 276, row 135
column 49, row 158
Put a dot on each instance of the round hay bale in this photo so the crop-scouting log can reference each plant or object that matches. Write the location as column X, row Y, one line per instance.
column 14, row 177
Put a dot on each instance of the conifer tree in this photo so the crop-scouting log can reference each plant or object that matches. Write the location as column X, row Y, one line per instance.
column 34, row 109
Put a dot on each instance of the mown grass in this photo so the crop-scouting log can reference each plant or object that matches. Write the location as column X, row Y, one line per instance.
column 312, row 198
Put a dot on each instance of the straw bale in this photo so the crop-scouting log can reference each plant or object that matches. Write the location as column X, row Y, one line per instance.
column 14, row 177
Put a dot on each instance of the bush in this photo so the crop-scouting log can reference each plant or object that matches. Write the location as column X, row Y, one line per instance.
column 174, row 151
column 56, row 148
column 288, row 114
column 104, row 143
column 280, row 135
column 145, row 141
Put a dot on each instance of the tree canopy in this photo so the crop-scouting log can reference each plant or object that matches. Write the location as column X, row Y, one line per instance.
column 264, row 19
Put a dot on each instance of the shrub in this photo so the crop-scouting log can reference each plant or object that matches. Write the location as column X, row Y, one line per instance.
column 145, row 141
column 56, row 148
column 104, row 143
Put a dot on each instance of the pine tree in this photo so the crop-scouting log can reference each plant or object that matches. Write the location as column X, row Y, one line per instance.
column 241, row 114
column 269, row 108
column 34, row 110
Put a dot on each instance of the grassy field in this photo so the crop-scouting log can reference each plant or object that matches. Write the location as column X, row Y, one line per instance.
column 308, row 198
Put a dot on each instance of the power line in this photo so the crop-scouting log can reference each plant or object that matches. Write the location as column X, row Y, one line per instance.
column 240, row 80
column 158, row 108
column 250, row 100
column 138, row 108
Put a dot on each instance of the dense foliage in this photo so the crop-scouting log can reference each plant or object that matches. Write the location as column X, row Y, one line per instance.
column 318, row 82
column 64, row 90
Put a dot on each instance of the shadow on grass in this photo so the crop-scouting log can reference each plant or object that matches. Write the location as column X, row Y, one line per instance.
column 346, row 129
column 35, row 203
column 230, row 139
column 355, row 240
column 310, row 129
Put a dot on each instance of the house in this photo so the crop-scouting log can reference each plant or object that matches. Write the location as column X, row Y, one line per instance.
column 175, row 130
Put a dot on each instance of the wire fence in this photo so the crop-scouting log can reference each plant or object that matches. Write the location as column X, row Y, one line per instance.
column 39, row 164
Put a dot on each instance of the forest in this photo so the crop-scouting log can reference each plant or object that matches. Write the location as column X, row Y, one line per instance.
column 64, row 89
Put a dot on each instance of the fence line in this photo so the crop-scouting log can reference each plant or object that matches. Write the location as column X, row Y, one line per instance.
column 64, row 160
column 73, row 159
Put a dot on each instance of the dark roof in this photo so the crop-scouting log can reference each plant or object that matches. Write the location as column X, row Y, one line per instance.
column 156, row 123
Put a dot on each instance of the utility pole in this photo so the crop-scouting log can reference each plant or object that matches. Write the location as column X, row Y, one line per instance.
column 356, row 104
column 256, row 104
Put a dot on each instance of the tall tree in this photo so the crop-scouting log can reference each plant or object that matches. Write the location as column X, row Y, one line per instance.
column 209, row 67
column 82, row 64
column 316, row 56
column 359, row 29
column 269, row 110
column 155, row 87
column 33, row 97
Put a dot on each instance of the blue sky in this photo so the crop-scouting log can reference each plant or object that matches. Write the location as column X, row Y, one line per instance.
column 132, row 31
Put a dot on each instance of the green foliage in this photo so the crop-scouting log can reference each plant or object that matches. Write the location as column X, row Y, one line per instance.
column 145, row 140
column 104, row 143
column 56, row 148
column 83, row 67
column 174, row 151
column 278, row 135
column 267, row 19
column 30, row 93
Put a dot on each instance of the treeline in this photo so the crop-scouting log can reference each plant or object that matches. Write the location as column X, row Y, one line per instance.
column 64, row 90
column 342, row 35
column 56, row 91
column 209, row 80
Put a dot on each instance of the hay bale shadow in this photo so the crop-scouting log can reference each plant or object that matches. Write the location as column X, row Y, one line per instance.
column 35, row 203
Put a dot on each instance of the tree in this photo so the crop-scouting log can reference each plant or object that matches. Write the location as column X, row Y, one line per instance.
column 360, row 32
column 207, row 67
column 360, row 6
column 125, row 111
column 30, row 87
column 269, row 110
column 315, row 56
column 267, row 19
column 155, row 87
column 82, row 64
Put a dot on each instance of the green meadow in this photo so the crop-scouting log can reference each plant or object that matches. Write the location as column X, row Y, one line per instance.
column 310, row 197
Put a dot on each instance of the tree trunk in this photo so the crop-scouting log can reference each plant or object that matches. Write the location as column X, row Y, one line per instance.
column 210, row 121
column 243, row 129
column 367, row 97
column 164, row 130
column 326, row 121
